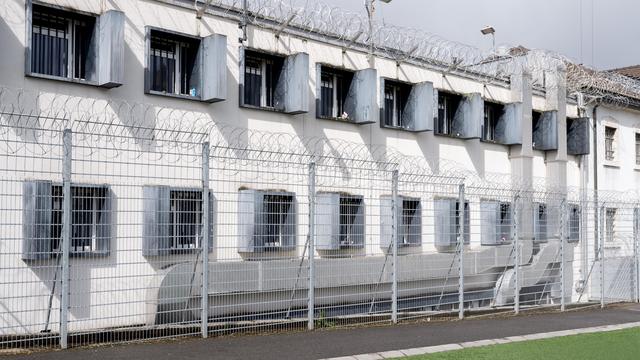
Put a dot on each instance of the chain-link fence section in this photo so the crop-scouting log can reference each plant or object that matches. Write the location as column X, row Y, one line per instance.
column 125, row 234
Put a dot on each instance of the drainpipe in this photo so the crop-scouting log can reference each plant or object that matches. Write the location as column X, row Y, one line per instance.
column 594, row 116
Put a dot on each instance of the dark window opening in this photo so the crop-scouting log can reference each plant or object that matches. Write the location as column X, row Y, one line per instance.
column 447, row 107
column 61, row 42
column 396, row 95
column 276, row 227
column 492, row 113
column 172, row 63
column 609, row 143
column 574, row 224
column 88, row 212
column 410, row 222
column 505, row 222
column 535, row 124
column 334, row 87
column 638, row 149
column 185, row 219
column 351, row 227
column 261, row 75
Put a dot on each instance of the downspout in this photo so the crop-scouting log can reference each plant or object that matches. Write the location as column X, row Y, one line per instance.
column 594, row 116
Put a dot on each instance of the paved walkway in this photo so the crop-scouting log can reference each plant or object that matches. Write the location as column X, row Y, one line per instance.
column 344, row 342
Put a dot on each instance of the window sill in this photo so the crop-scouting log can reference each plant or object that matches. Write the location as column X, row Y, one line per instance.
column 175, row 96
column 455, row 136
column 67, row 80
column 612, row 164
column 400, row 128
column 261, row 108
column 344, row 120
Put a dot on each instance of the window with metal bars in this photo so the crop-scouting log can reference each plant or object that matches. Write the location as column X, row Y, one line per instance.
column 276, row 227
column 637, row 149
column 172, row 61
column 505, row 222
column 89, row 214
column 609, row 143
column 492, row 113
column 351, row 224
column 185, row 219
column 610, row 221
column 411, row 224
column 395, row 99
column 60, row 42
column 334, row 87
column 261, row 75
column 540, row 221
column 447, row 107
column 573, row 234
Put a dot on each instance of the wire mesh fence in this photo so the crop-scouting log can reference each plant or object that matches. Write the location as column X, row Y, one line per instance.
column 112, row 238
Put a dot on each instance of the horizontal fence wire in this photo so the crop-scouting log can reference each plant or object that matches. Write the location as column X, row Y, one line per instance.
column 107, row 239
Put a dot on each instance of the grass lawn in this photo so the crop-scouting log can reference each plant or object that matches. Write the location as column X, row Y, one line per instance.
column 614, row 345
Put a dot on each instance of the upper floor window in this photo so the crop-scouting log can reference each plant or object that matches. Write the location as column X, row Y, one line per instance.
column 492, row 113
column 610, row 143
column 261, row 75
column 395, row 100
column 61, row 43
column 334, row 87
column 172, row 63
column 447, row 106
column 638, row 149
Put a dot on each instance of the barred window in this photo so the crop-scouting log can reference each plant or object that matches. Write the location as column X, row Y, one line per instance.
column 276, row 228
column 172, row 60
column 504, row 222
column 186, row 219
column 351, row 222
column 638, row 149
column 609, row 143
column 574, row 224
column 334, row 87
column 395, row 99
column 411, row 227
column 61, row 42
column 492, row 112
column 447, row 107
column 88, row 215
column 610, row 219
column 261, row 75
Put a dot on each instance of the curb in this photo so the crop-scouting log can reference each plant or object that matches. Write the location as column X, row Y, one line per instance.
column 472, row 344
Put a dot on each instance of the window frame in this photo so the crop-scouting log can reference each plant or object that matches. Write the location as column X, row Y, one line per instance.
column 498, row 109
column 263, row 248
column 610, row 225
column 147, row 58
column 199, row 224
column 410, row 231
column 402, row 91
column 637, row 147
column 278, row 61
column 339, row 76
column 58, row 215
column 456, row 99
column 613, row 159
column 573, row 225
column 71, row 14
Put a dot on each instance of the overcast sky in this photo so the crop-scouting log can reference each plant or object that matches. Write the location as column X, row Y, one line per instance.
column 600, row 33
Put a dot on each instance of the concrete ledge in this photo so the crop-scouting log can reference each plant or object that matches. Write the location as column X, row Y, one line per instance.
column 488, row 342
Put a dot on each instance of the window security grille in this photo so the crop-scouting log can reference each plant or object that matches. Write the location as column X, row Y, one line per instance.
column 496, row 222
column 172, row 64
column 61, row 43
column 447, row 223
column 573, row 233
column 185, row 219
column 409, row 216
column 274, row 229
column 610, row 220
column 609, row 143
column 395, row 101
column 339, row 220
column 351, row 222
column 540, row 221
column 637, row 149
column 447, row 108
column 261, row 75
column 492, row 113
column 43, row 220
column 334, row 88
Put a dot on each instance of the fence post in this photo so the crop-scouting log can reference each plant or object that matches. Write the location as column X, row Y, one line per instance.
column 67, row 144
column 206, row 221
column 312, row 248
column 636, row 248
column 460, row 249
column 602, row 238
column 516, row 260
column 563, row 211
column 394, row 239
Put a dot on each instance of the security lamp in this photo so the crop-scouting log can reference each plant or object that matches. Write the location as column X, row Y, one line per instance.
column 488, row 30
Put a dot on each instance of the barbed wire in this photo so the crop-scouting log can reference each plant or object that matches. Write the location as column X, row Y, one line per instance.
column 351, row 30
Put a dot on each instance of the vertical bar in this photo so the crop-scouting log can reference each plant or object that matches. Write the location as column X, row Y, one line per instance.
column 602, row 235
column 636, row 248
column 66, row 234
column 312, row 247
column 394, row 238
column 460, row 249
column 204, row 316
column 516, row 245
column 563, row 211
